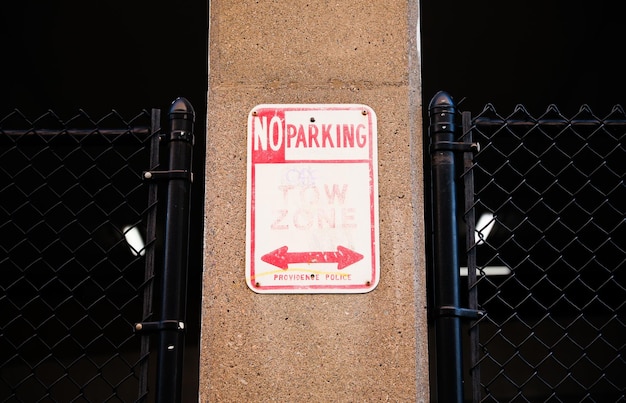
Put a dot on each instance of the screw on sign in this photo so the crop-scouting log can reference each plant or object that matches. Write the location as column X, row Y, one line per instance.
column 312, row 204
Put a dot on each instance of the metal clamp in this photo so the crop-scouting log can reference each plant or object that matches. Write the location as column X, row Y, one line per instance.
column 158, row 326
column 177, row 135
column 455, row 146
column 167, row 175
column 457, row 312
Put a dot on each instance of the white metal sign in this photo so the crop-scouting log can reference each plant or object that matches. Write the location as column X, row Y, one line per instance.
column 312, row 199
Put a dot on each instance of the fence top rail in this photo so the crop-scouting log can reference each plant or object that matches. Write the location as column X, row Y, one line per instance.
column 74, row 132
column 551, row 117
column 483, row 121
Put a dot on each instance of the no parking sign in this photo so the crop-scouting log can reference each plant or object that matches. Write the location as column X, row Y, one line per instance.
column 312, row 199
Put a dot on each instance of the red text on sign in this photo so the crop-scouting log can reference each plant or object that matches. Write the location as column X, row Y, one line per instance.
column 275, row 133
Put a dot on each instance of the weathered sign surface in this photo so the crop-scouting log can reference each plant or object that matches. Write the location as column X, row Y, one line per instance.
column 312, row 199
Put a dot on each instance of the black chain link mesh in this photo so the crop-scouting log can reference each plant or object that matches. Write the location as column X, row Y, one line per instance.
column 555, row 328
column 70, row 285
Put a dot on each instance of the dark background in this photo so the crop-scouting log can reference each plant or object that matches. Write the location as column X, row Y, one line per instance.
column 132, row 55
column 99, row 55
column 534, row 53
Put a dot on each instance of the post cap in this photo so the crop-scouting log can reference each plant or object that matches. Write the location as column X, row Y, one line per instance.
column 182, row 109
column 441, row 100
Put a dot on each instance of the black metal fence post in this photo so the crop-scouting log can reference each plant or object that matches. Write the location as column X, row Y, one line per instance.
column 446, row 266
column 173, row 302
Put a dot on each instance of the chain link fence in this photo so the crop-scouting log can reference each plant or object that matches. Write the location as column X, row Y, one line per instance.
column 72, row 281
column 546, row 256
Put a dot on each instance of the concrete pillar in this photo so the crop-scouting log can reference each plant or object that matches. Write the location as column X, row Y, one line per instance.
column 315, row 347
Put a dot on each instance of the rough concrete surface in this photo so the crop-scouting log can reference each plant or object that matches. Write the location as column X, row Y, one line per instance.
column 314, row 347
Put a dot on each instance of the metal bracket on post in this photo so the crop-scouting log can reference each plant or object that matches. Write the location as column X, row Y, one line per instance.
column 145, row 327
column 167, row 175
column 463, row 313
column 178, row 135
column 455, row 146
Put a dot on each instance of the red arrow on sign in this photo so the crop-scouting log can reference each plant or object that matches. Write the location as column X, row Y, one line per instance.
column 280, row 257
